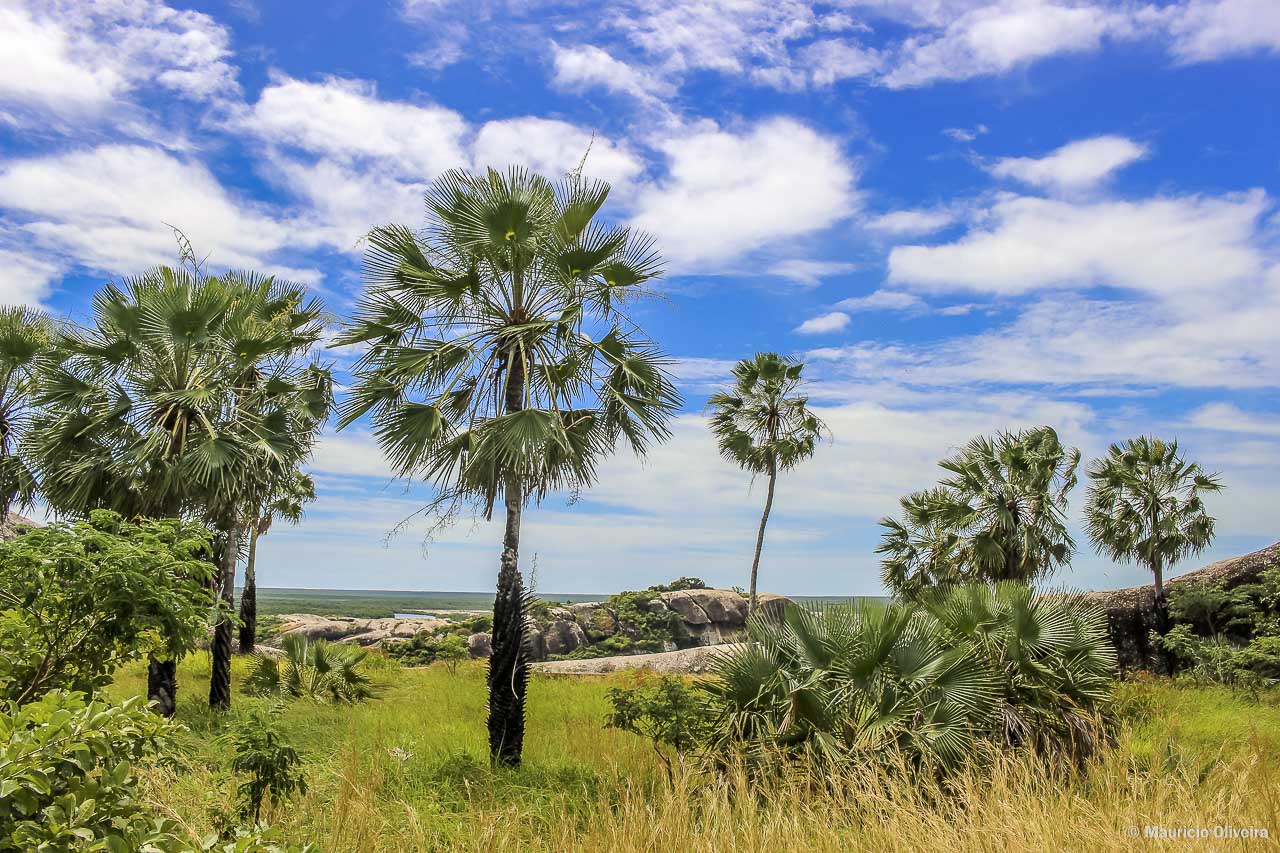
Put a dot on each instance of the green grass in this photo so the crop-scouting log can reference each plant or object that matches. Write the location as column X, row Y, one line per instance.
column 408, row 771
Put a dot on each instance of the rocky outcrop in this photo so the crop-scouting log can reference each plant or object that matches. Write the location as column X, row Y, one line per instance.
column 1131, row 611
column 480, row 645
column 13, row 524
column 697, row 660
column 702, row 617
column 364, row 632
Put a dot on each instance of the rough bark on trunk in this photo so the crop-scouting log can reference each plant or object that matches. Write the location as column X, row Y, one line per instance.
column 249, row 598
column 220, row 680
column 508, row 664
column 162, row 685
column 764, row 519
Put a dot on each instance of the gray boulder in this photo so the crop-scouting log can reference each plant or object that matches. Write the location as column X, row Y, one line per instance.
column 563, row 636
column 480, row 645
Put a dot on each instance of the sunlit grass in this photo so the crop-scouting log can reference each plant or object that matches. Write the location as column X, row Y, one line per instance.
column 408, row 771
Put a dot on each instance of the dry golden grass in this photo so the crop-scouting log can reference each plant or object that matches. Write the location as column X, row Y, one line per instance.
column 1196, row 757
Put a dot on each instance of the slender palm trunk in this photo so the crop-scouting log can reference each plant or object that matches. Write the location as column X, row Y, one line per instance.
column 508, row 663
column 764, row 519
column 220, row 681
column 249, row 597
column 162, row 674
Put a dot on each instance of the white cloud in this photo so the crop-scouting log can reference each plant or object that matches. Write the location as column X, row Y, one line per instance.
column 1228, row 417
column 1204, row 30
column 808, row 272
column 553, row 148
column 966, row 134
column 832, row 60
column 1161, row 246
column 883, row 300
column 106, row 208
column 824, row 324
column 345, row 120
column 728, row 193
column 585, row 66
column 25, row 280
column 70, row 59
column 911, row 222
column 1075, row 166
column 998, row 37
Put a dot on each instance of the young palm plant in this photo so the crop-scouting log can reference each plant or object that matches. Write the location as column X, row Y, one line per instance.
column 26, row 338
column 999, row 515
column 501, row 366
column 281, row 495
column 1145, row 504
column 311, row 669
column 175, row 398
column 764, row 425
column 992, row 664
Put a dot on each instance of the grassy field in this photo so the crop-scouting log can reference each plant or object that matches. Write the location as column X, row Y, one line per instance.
column 407, row 772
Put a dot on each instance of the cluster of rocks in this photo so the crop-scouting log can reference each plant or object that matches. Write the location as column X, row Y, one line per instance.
column 702, row 617
column 364, row 632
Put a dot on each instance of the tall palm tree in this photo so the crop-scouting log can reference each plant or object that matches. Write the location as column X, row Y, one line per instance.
column 501, row 365
column 26, row 337
column 282, row 497
column 1145, row 504
column 179, row 392
column 999, row 515
column 764, row 425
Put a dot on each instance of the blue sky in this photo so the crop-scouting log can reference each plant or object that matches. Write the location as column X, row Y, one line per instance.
column 965, row 215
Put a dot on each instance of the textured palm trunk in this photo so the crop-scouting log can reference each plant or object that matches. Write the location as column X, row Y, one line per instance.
column 162, row 685
column 764, row 519
column 162, row 675
column 220, row 680
column 249, row 597
column 508, row 663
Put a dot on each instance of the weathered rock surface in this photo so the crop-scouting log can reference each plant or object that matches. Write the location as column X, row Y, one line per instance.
column 695, row 661
column 480, row 645
column 1131, row 611
column 12, row 524
column 364, row 632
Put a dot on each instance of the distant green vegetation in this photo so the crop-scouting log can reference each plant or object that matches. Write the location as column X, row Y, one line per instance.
column 377, row 604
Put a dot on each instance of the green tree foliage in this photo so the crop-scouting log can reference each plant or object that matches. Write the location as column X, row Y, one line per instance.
column 66, row 775
column 184, row 393
column 78, row 600
column 763, row 424
column 996, row 664
column 1146, row 504
column 502, row 365
column 26, row 340
column 311, row 669
column 272, row 765
column 999, row 514
column 665, row 710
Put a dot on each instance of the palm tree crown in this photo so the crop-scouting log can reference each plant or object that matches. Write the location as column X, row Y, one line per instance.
column 498, row 346
column 764, row 425
column 999, row 515
column 26, row 338
column 1145, row 504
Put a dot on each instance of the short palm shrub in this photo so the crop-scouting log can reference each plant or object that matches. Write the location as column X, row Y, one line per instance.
column 976, row 664
column 311, row 669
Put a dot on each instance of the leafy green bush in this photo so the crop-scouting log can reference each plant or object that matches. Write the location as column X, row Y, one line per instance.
column 1216, row 660
column 312, row 669
column 66, row 775
column 995, row 664
column 78, row 600
column 270, row 762
column 451, row 651
column 665, row 710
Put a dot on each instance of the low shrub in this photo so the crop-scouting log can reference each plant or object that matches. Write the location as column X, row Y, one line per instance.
column 269, row 761
column 666, row 710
